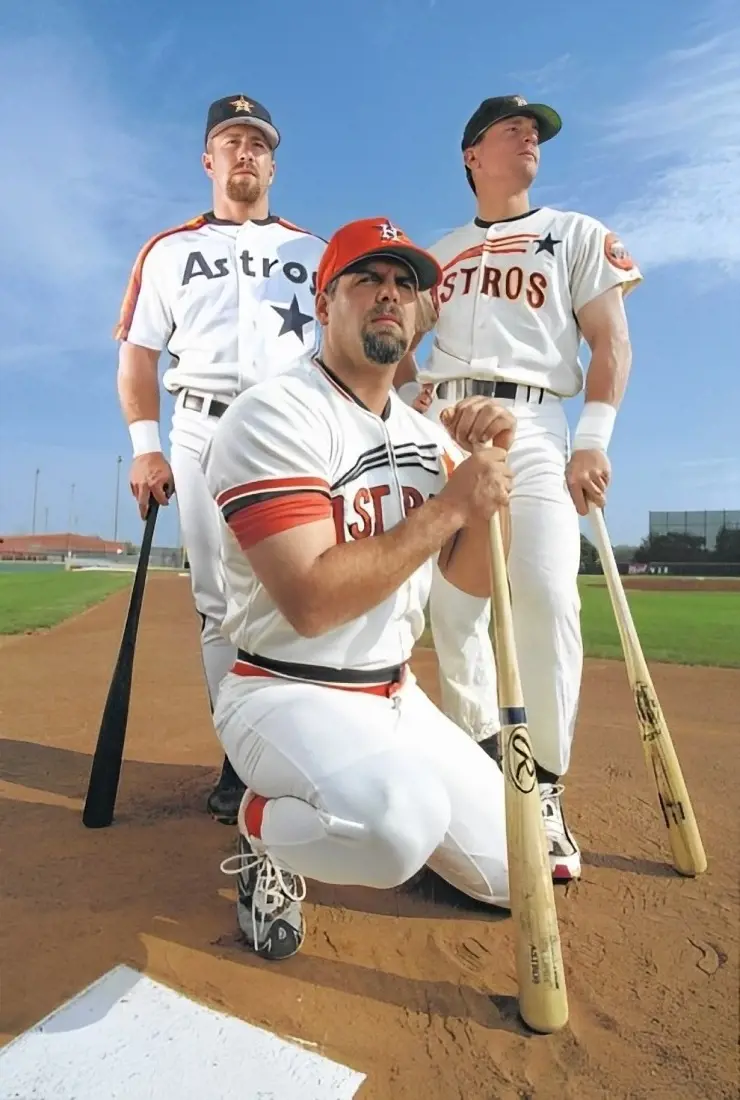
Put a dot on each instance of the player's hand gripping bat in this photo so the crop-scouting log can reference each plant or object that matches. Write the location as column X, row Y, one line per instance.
column 660, row 756
column 106, row 766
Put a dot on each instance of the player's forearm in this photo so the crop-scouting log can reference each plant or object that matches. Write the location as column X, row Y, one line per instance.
column 466, row 559
column 608, row 372
column 606, row 381
column 138, row 383
column 350, row 579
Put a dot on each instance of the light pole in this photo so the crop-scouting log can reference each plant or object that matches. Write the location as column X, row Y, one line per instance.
column 35, row 498
column 46, row 519
column 115, row 514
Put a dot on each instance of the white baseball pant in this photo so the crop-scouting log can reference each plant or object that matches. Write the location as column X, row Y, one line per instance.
column 543, row 563
column 199, row 521
column 366, row 790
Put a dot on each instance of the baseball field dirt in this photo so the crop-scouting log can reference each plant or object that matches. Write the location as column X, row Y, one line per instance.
column 414, row 988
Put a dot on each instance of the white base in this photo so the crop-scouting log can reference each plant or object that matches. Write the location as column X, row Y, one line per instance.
column 127, row 1037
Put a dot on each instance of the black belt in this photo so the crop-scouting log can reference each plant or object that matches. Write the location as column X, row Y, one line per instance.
column 195, row 402
column 484, row 387
column 392, row 674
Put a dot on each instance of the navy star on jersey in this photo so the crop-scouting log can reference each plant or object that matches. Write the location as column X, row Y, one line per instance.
column 546, row 244
column 293, row 319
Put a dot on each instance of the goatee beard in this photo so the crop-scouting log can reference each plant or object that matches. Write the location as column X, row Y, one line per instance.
column 243, row 189
column 383, row 349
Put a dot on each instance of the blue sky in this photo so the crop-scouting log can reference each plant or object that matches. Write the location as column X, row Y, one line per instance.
column 102, row 108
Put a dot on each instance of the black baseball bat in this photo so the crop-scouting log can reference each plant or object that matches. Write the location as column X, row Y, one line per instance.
column 106, row 766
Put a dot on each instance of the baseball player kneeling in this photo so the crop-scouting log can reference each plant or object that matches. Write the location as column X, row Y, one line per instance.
column 336, row 498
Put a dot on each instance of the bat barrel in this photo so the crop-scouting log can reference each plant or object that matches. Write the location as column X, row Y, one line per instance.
column 105, row 772
column 687, row 849
column 543, row 1001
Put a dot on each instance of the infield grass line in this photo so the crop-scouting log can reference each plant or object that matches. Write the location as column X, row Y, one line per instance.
column 688, row 628
column 39, row 600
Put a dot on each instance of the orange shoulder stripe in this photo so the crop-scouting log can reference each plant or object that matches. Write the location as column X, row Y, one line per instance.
column 120, row 332
column 466, row 254
column 299, row 229
column 271, row 517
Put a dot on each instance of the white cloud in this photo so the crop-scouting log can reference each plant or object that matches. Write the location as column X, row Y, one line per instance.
column 78, row 186
column 543, row 80
column 707, row 463
column 684, row 127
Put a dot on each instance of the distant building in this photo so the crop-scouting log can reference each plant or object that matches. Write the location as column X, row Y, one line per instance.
column 40, row 547
column 707, row 525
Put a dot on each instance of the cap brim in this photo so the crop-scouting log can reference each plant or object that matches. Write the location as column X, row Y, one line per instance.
column 425, row 268
column 549, row 122
column 245, row 120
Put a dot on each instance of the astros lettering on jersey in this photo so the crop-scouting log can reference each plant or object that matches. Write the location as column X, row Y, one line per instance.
column 230, row 302
column 301, row 448
column 509, row 295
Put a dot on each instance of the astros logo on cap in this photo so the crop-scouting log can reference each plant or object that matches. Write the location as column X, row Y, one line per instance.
column 389, row 232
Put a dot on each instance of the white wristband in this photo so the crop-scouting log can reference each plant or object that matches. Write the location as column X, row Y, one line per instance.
column 144, row 437
column 594, row 429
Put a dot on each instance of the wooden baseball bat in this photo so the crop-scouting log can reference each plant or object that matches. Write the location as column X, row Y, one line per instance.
column 660, row 755
column 543, row 1000
column 106, row 766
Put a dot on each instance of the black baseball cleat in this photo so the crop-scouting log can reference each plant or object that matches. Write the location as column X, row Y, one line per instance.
column 223, row 801
column 492, row 747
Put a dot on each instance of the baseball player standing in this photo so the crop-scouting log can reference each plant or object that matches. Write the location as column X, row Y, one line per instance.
column 520, row 288
column 336, row 497
column 230, row 296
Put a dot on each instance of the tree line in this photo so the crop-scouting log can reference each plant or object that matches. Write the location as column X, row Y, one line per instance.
column 673, row 547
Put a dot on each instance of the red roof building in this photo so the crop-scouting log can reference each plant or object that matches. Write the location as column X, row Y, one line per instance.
column 39, row 546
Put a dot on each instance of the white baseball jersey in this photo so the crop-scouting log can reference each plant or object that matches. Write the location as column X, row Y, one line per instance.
column 300, row 448
column 510, row 294
column 229, row 302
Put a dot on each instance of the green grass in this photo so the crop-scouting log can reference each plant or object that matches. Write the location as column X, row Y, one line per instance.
column 691, row 628
column 36, row 600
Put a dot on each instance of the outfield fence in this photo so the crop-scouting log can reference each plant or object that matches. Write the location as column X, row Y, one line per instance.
column 162, row 557
column 671, row 569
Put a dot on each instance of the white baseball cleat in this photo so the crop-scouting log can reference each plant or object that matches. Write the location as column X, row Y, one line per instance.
column 565, row 856
column 268, row 899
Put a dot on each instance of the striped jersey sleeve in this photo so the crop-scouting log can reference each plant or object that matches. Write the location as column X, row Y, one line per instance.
column 267, row 466
column 145, row 316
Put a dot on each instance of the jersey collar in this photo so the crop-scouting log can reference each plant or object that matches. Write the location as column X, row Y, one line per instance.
column 502, row 221
column 337, row 382
column 211, row 219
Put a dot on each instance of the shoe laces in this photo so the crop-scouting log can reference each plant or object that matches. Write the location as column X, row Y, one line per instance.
column 552, row 811
column 273, row 886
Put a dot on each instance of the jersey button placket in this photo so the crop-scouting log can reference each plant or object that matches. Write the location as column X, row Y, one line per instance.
column 399, row 502
column 246, row 326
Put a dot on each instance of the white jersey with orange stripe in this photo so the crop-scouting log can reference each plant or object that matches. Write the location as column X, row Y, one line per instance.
column 301, row 448
column 231, row 302
column 510, row 293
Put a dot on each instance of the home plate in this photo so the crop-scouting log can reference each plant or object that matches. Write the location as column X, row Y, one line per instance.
column 127, row 1037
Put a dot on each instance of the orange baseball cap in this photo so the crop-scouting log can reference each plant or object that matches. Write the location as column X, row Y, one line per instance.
column 375, row 238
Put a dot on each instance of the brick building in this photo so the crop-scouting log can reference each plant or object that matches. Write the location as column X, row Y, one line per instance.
column 55, row 547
